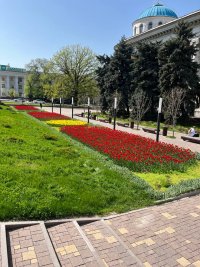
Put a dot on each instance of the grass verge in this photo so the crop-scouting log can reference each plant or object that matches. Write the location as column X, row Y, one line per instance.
column 46, row 175
column 164, row 181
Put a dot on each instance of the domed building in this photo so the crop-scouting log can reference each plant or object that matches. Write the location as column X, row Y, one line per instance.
column 153, row 17
column 158, row 23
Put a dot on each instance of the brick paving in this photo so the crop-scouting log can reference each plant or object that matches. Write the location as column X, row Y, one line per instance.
column 167, row 235
column 70, row 247
column 111, row 251
column 28, row 247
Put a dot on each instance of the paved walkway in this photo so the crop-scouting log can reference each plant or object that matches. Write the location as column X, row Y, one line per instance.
column 178, row 141
column 166, row 235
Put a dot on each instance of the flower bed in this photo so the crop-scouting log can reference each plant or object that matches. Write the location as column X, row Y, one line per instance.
column 139, row 153
column 24, row 107
column 65, row 122
column 47, row 115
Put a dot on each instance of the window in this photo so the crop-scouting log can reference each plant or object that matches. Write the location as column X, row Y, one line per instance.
column 160, row 23
column 150, row 25
column 141, row 28
column 3, row 85
column 19, row 79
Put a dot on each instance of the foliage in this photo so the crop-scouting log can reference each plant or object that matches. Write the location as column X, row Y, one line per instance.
column 178, row 69
column 75, row 67
column 116, row 80
column 12, row 93
column 34, row 87
column 162, row 181
column 145, row 73
column 103, row 82
column 139, row 153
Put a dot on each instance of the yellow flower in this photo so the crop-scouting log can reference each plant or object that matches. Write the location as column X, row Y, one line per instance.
column 65, row 122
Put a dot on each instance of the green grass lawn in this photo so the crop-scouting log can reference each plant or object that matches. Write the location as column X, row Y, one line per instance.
column 45, row 174
column 162, row 181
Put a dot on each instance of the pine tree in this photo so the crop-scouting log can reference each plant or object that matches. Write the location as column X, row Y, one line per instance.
column 145, row 74
column 178, row 68
column 120, row 69
column 102, row 72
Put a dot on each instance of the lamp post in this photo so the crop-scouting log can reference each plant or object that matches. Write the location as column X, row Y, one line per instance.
column 52, row 104
column 22, row 99
column 88, row 109
column 60, row 104
column 72, row 107
column 115, row 113
column 158, row 119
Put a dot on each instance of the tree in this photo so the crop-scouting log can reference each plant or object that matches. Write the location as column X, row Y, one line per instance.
column 120, row 69
column 140, row 104
column 114, row 77
column 75, row 69
column 172, row 101
column 178, row 68
column 102, row 80
column 34, row 84
column 145, row 74
column 12, row 93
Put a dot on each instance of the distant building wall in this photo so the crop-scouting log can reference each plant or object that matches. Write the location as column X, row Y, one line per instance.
column 12, row 78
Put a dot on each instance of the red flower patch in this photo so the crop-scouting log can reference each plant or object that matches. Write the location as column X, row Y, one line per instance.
column 24, row 107
column 140, row 153
column 47, row 115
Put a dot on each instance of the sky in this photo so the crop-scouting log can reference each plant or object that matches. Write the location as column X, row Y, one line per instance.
column 31, row 29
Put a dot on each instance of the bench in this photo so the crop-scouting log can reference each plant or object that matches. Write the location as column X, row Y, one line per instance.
column 80, row 115
column 150, row 130
column 191, row 139
column 122, row 124
column 103, row 120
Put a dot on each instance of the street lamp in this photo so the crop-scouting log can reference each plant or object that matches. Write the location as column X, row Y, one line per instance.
column 115, row 112
column 88, row 109
column 60, row 104
column 158, row 120
column 72, row 107
column 52, row 104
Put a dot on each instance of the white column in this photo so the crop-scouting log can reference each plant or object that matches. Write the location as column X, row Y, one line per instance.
column 7, row 84
column 23, row 83
column 16, row 85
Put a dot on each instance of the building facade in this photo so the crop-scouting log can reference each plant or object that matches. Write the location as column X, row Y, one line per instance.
column 12, row 81
column 158, row 23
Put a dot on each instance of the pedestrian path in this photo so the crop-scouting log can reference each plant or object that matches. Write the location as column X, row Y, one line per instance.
column 177, row 141
column 165, row 235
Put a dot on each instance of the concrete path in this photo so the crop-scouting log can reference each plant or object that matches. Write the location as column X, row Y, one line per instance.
column 178, row 141
column 166, row 235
